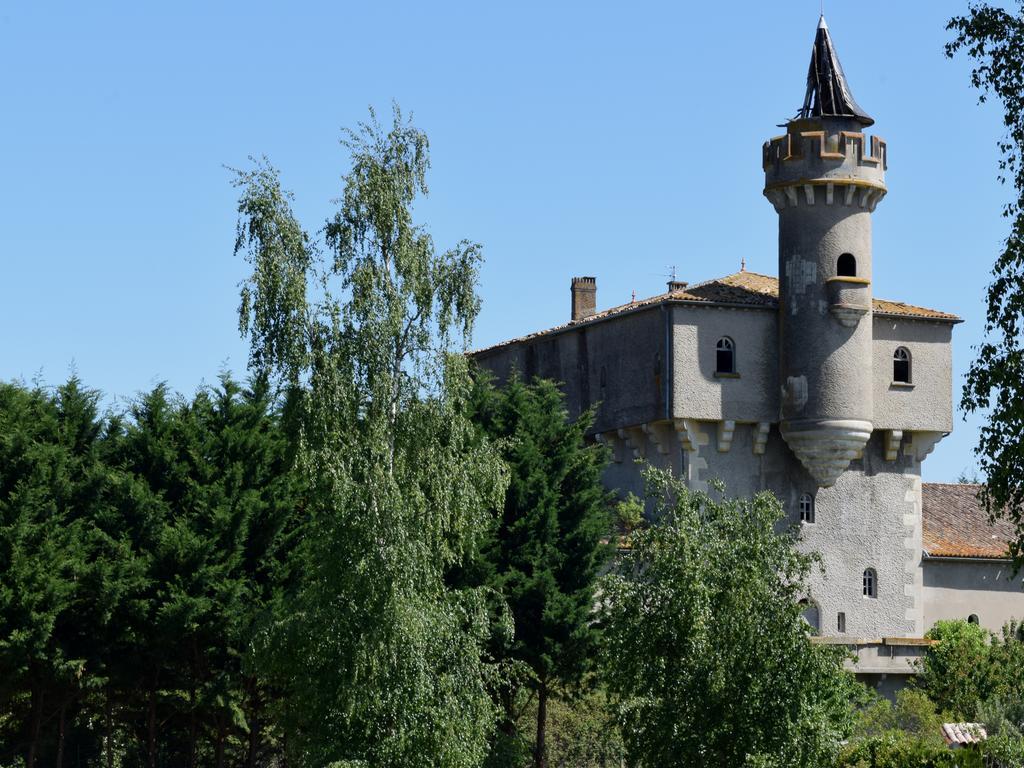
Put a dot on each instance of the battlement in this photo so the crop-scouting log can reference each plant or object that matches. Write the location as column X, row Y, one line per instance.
column 844, row 146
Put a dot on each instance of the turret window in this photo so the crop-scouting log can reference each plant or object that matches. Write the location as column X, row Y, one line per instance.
column 870, row 583
column 901, row 365
column 846, row 266
column 725, row 356
column 806, row 504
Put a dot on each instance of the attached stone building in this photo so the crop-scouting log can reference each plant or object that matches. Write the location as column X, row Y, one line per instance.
column 807, row 386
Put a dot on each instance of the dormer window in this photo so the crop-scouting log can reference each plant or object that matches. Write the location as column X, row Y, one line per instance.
column 725, row 356
column 901, row 366
column 846, row 266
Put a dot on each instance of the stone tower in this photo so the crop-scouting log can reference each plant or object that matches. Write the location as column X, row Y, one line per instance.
column 825, row 177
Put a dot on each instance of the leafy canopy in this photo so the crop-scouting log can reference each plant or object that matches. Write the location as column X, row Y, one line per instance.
column 383, row 661
column 993, row 38
column 706, row 652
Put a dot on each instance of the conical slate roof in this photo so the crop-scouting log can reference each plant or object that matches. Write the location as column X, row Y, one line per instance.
column 828, row 93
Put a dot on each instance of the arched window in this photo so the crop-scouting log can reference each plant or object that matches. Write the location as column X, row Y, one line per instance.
column 725, row 356
column 870, row 583
column 811, row 614
column 846, row 266
column 973, row 619
column 901, row 365
column 806, row 505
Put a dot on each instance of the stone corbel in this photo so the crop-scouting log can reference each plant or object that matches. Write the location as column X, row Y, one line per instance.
column 725, row 432
column 686, row 429
column 614, row 443
column 920, row 444
column 659, row 434
column 761, row 430
column 893, row 438
column 634, row 438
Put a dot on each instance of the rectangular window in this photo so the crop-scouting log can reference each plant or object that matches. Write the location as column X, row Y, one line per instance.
column 841, row 622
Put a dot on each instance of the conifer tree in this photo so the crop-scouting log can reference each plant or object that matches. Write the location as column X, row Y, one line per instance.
column 549, row 546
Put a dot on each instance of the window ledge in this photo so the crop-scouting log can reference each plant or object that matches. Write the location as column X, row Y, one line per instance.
column 724, row 375
column 901, row 385
column 848, row 279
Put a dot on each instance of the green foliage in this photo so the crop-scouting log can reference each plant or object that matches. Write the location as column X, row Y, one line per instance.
column 955, row 672
column 630, row 512
column 138, row 555
column 914, row 715
column 549, row 545
column 896, row 749
column 582, row 733
column 1006, row 664
column 993, row 38
column 382, row 660
column 706, row 654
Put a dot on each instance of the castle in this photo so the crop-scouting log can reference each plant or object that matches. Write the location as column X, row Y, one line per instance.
column 807, row 386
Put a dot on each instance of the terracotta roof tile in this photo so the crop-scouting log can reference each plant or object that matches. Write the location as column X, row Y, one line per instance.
column 955, row 524
column 748, row 289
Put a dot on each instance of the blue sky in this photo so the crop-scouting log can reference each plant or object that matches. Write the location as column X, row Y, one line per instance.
column 610, row 139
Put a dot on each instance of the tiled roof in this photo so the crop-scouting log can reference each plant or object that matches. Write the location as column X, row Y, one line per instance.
column 955, row 523
column 959, row 734
column 746, row 289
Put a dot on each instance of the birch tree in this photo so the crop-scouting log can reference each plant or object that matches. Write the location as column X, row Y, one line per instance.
column 383, row 662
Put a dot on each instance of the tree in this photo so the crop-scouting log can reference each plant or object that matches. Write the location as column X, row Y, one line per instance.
column 706, row 651
column 383, row 662
column 994, row 39
column 549, row 546
column 138, row 557
column 213, row 510
column 955, row 671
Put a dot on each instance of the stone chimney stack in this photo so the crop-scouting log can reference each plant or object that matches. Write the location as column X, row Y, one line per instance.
column 584, row 297
column 676, row 285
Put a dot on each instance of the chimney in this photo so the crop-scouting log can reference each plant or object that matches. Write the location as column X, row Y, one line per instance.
column 584, row 297
column 676, row 285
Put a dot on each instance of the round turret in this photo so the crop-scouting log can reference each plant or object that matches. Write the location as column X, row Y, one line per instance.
column 825, row 177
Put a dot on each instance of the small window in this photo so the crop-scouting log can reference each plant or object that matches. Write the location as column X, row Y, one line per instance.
column 973, row 619
column 841, row 622
column 901, row 365
column 725, row 356
column 846, row 266
column 806, row 508
column 870, row 583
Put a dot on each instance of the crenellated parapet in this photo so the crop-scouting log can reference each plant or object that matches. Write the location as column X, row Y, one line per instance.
column 845, row 147
column 824, row 162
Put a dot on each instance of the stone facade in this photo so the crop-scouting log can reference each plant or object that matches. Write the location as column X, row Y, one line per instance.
column 806, row 386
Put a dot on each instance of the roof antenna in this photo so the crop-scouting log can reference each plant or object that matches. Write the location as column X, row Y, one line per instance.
column 743, row 264
column 633, row 300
